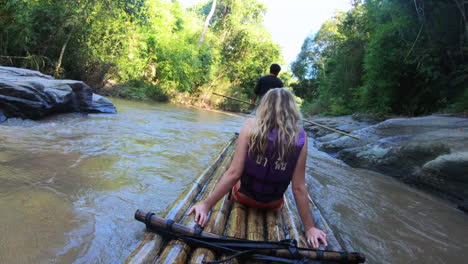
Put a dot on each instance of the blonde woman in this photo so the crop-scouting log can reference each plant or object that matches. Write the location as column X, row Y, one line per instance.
column 271, row 153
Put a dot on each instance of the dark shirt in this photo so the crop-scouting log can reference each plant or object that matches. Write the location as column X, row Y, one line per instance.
column 267, row 82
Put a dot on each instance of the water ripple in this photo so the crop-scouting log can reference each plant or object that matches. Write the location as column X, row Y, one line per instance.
column 99, row 169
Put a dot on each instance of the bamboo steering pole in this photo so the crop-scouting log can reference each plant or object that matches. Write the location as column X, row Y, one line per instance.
column 310, row 122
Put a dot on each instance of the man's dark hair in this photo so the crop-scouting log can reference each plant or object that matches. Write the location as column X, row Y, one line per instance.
column 275, row 68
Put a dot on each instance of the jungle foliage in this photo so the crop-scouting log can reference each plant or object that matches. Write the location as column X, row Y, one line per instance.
column 404, row 57
column 149, row 48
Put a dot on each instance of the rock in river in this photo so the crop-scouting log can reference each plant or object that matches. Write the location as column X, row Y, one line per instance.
column 430, row 152
column 30, row 94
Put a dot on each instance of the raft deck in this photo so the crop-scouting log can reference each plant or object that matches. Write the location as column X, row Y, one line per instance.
column 227, row 218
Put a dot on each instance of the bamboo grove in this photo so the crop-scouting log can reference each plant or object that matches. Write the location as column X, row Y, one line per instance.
column 403, row 57
column 152, row 49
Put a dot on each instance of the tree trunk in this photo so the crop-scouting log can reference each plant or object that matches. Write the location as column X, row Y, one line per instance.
column 419, row 11
column 62, row 51
column 461, row 7
column 207, row 22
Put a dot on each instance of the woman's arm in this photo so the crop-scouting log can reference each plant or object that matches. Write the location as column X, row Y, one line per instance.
column 314, row 235
column 230, row 177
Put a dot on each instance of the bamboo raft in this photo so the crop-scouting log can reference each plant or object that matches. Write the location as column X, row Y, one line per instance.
column 227, row 218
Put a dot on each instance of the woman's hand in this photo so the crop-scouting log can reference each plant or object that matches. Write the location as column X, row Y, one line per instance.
column 315, row 237
column 201, row 213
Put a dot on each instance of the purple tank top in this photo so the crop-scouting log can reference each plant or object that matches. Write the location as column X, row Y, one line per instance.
column 265, row 178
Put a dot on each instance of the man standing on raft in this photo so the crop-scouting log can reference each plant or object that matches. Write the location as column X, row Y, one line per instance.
column 267, row 82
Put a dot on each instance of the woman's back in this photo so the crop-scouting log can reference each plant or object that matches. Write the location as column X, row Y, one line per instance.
column 266, row 161
column 266, row 177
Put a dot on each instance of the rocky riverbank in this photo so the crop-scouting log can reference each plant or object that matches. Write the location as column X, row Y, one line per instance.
column 427, row 152
column 30, row 94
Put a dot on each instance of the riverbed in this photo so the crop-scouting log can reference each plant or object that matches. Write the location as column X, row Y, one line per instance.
column 70, row 184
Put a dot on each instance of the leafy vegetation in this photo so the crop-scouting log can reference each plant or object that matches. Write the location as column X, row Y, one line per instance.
column 382, row 56
column 149, row 48
column 387, row 57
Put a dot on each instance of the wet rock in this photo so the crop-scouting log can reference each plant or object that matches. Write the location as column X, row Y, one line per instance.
column 429, row 152
column 464, row 206
column 2, row 117
column 446, row 173
column 346, row 124
column 401, row 127
column 361, row 117
column 100, row 104
column 30, row 94
column 329, row 137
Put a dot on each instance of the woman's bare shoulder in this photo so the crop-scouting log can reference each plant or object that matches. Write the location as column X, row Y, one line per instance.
column 246, row 127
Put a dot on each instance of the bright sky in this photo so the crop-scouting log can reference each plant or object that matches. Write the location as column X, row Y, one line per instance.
column 291, row 21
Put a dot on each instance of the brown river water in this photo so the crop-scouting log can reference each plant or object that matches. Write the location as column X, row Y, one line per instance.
column 70, row 184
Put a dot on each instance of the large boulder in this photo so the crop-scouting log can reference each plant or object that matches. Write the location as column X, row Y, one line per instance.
column 430, row 152
column 348, row 123
column 32, row 95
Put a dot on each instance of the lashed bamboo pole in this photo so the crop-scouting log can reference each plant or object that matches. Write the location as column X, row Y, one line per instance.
column 292, row 221
column 255, row 224
column 255, row 227
column 215, row 225
column 347, row 257
column 151, row 243
column 307, row 121
column 176, row 251
column 274, row 225
column 236, row 226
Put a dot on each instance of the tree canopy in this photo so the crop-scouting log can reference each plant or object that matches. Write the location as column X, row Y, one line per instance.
column 382, row 56
column 389, row 57
column 149, row 47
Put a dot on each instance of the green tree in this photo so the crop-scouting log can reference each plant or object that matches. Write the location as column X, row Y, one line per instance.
column 388, row 56
column 149, row 47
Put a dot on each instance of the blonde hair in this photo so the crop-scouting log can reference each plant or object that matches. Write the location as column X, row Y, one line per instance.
column 279, row 110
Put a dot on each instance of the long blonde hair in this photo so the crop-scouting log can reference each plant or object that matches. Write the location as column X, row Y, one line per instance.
column 279, row 110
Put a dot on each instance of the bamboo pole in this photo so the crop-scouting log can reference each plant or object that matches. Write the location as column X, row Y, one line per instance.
column 176, row 251
column 255, row 224
column 215, row 225
column 237, row 221
column 329, row 128
column 236, row 226
column 303, row 120
column 151, row 242
column 292, row 222
column 274, row 225
column 218, row 111
column 255, row 227
column 347, row 257
column 233, row 98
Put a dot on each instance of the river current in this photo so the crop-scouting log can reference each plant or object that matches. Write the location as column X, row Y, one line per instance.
column 70, row 184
